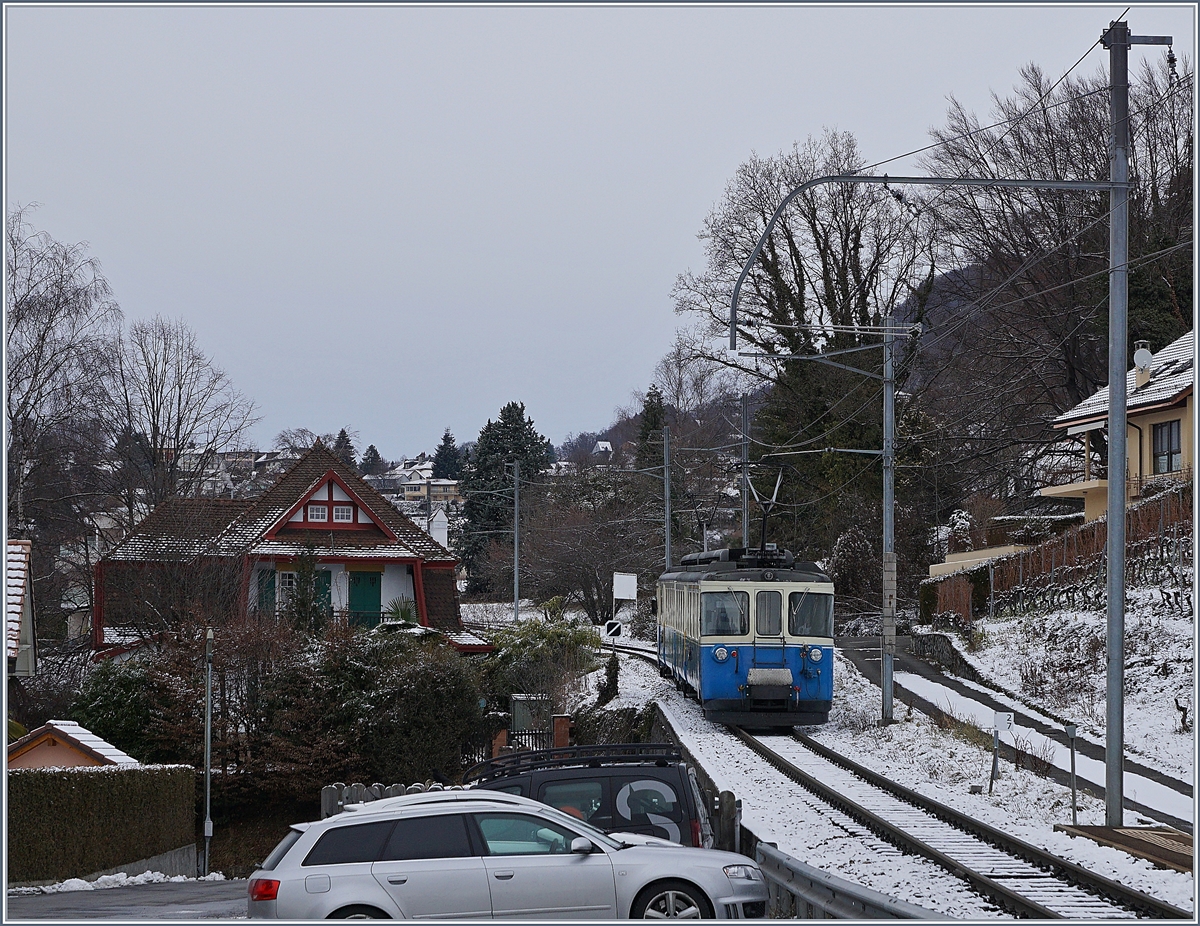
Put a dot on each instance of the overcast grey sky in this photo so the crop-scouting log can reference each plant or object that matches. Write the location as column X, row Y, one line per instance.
column 398, row 218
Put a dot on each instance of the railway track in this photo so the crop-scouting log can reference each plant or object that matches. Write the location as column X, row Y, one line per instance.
column 1022, row 878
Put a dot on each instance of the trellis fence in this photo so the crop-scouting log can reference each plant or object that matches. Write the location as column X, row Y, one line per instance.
column 1070, row 570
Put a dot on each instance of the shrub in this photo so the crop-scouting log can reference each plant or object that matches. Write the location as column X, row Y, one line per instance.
column 366, row 707
column 927, row 599
column 67, row 823
column 608, row 690
column 539, row 657
column 115, row 704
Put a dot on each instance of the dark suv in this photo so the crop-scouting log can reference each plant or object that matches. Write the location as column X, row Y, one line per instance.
column 629, row 788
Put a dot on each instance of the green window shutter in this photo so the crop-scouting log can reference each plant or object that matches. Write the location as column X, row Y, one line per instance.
column 266, row 590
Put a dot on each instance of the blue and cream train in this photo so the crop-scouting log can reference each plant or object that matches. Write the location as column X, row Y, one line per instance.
column 749, row 634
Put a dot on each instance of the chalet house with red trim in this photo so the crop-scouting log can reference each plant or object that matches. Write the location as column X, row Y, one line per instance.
column 222, row 558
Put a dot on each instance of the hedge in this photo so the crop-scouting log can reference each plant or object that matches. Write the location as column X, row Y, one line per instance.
column 71, row 822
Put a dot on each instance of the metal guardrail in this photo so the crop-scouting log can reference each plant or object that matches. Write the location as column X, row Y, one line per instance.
column 799, row 891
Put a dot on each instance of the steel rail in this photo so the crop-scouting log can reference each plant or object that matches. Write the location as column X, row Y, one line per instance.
column 1007, row 898
column 1059, row 868
column 1069, row 871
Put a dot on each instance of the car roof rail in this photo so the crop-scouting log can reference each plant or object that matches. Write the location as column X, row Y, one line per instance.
column 564, row 756
column 434, row 797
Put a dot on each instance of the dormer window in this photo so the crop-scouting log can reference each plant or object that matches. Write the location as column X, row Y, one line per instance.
column 343, row 513
column 318, row 512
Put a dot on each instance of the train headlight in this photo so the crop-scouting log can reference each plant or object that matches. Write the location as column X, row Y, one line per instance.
column 720, row 654
column 815, row 654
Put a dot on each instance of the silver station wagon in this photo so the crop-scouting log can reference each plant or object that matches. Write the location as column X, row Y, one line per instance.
column 478, row 854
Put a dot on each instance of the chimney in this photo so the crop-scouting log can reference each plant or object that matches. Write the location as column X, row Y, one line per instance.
column 1141, row 363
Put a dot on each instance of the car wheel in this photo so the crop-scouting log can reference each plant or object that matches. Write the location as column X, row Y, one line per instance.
column 671, row 900
column 358, row 912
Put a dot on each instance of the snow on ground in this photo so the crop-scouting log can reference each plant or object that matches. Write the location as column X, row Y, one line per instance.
column 917, row 754
column 120, row 879
column 1137, row 787
column 808, row 830
column 1057, row 659
column 493, row 615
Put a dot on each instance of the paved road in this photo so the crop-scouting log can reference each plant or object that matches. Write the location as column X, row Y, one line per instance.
column 864, row 653
column 183, row 900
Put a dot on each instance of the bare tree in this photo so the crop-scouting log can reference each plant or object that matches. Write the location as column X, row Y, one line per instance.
column 60, row 323
column 1018, row 333
column 580, row 530
column 840, row 255
column 171, row 410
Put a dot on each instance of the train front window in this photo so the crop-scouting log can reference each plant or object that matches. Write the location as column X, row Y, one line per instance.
column 768, row 616
column 724, row 613
column 810, row 614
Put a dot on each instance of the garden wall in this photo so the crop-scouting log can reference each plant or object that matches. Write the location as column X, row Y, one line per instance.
column 82, row 822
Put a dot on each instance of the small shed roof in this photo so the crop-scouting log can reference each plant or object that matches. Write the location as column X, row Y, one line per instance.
column 77, row 736
column 16, row 587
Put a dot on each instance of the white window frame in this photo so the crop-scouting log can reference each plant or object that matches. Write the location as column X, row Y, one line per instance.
column 324, row 509
column 347, row 510
column 287, row 587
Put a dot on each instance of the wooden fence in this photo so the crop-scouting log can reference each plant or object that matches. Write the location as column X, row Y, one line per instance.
column 335, row 797
column 1069, row 570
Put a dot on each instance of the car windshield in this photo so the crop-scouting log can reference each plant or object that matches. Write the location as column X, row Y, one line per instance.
column 584, row 829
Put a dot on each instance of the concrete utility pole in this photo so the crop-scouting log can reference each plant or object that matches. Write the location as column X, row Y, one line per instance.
column 887, row 643
column 745, row 471
column 667, row 492
column 1117, row 40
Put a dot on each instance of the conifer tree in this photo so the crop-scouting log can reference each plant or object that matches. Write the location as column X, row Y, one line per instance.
column 372, row 463
column 447, row 460
column 487, row 482
column 343, row 448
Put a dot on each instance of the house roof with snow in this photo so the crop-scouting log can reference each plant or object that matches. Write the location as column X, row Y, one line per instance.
column 16, row 593
column 1172, row 376
column 274, row 524
column 62, row 743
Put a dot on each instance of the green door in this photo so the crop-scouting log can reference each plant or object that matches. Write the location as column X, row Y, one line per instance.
column 366, row 589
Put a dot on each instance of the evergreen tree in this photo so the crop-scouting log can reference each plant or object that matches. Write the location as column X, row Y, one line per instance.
column 372, row 464
column 447, row 461
column 487, row 482
column 343, row 448
column 654, row 418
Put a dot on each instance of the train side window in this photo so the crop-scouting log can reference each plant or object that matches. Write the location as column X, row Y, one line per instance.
column 724, row 613
column 810, row 614
column 768, row 614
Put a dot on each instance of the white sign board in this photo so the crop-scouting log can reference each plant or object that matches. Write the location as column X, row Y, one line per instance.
column 1003, row 720
column 612, row 629
column 625, row 586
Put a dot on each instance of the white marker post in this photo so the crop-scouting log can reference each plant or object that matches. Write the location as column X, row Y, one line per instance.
column 1070, row 731
column 1002, row 721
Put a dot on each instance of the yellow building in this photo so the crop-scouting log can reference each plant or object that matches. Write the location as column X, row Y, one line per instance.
column 1161, row 429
